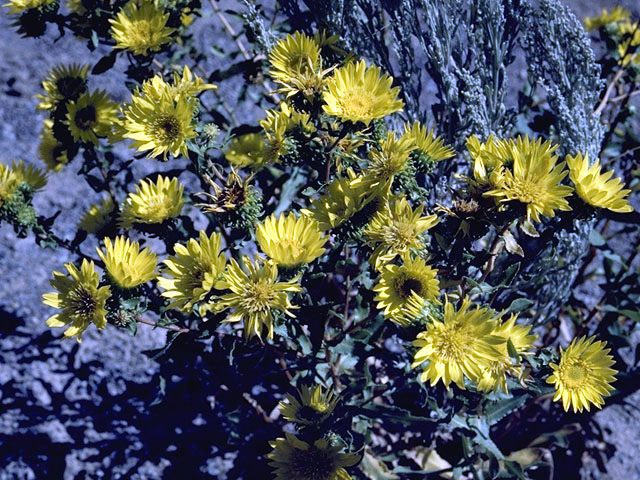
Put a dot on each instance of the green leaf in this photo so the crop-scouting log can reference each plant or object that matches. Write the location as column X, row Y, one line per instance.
column 511, row 244
column 498, row 410
column 104, row 64
column 519, row 304
column 133, row 327
column 596, row 239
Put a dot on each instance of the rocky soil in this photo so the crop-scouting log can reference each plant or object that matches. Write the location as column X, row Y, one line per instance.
column 77, row 412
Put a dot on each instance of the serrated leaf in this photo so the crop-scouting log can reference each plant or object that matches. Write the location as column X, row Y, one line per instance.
column 498, row 410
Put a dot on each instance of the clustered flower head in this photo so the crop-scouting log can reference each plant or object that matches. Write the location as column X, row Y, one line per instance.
column 320, row 206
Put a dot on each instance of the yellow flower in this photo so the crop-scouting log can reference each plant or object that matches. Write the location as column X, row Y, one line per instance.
column 488, row 159
column 91, row 116
column 427, row 143
column 76, row 7
column 127, row 266
column 292, row 55
column 194, row 270
column 595, row 188
column 8, row 183
column 630, row 39
column 255, row 293
column 342, row 198
column 189, row 85
column 535, row 179
column 286, row 119
column 294, row 459
column 50, row 151
column 398, row 284
column 141, row 29
column 458, row 347
column 80, row 298
column 97, row 216
column 297, row 65
column 153, row 202
column 19, row 6
column 494, row 376
column 385, row 163
column 246, row 150
column 605, row 18
column 397, row 229
column 158, row 120
column 289, row 240
column 584, row 375
column 314, row 407
column 360, row 94
column 35, row 178
column 63, row 82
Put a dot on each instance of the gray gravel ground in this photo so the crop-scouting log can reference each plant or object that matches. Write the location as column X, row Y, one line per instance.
column 47, row 371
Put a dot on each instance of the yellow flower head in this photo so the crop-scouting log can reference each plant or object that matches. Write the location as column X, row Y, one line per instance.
column 98, row 216
column 153, row 202
column 8, row 183
column 314, row 407
column 427, row 143
column 255, row 292
column 77, row 7
column 35, row 178
column 285, row 119
column 194, row 270
column 80, row 298
column 343, row 197
column 296, row 64
column 360, row 94
column 385, row 163
column 584, row 375
column 246, row 150
column 534, row 180
column 595, row 188
column 494, row 376
column 158, row 120
column 414, row 281
column 488, row 159
column 397, row 229
column 128, row 266
column 50, row 151
column 294, row 459
column 19, row 6
column 605, row 18
column 63, row 82
column 189, row 85
column 458, row 347
column 91, row 116
column 141, row 29
column 290, row 240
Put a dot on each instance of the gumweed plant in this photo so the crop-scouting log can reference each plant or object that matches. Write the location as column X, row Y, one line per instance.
column 357, row 281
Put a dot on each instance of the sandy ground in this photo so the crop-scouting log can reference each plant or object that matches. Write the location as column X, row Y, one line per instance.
column 111, row 361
